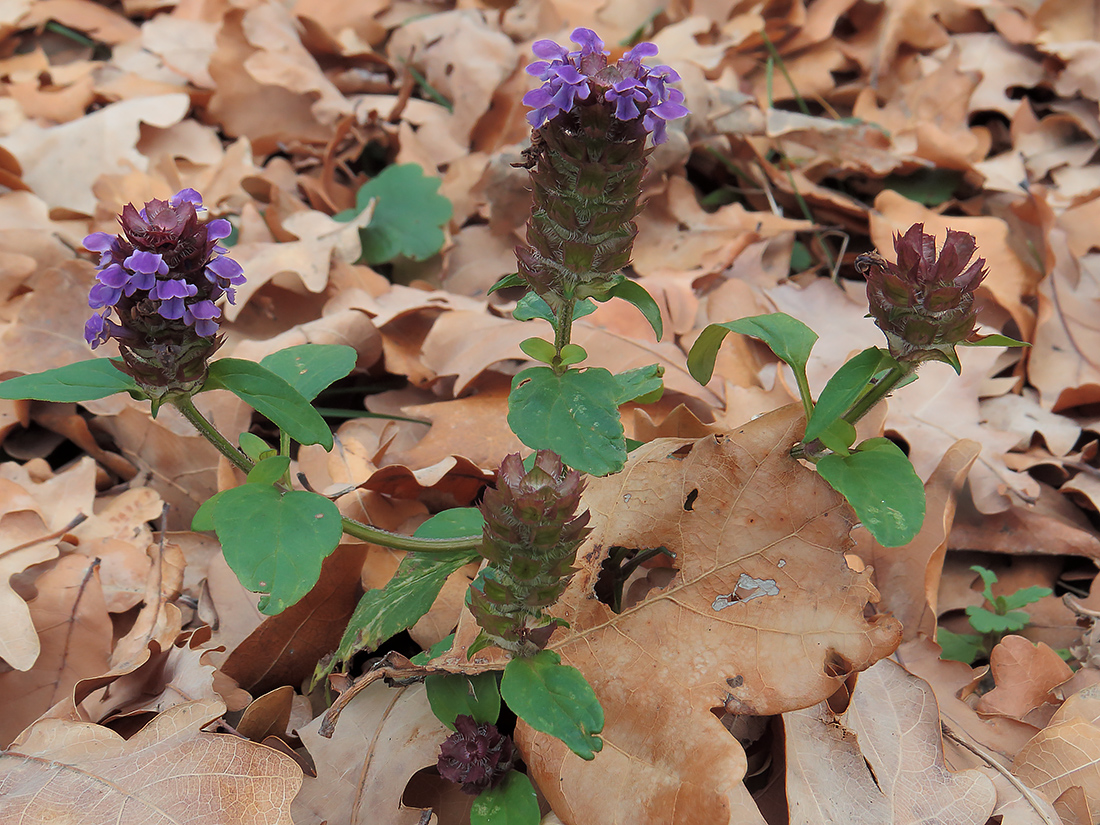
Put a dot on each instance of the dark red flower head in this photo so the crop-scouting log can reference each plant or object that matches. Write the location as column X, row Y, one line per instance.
column 924, row 303
column 475, row 756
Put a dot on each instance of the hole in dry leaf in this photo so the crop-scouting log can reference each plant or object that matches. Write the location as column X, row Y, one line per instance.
column 681, row 452
column 689, row 502
column 628, row 574
column 836, row 666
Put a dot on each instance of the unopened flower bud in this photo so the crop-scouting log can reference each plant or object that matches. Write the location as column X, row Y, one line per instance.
column 532, row 532
column 477, row 757
column 924, row 304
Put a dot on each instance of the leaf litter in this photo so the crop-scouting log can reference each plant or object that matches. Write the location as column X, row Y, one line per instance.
column 817, row 130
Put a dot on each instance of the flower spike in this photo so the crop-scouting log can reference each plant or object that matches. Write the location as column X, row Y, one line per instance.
column 160, row 277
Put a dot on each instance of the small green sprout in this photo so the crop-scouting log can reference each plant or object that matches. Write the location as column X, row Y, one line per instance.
column 991, row 625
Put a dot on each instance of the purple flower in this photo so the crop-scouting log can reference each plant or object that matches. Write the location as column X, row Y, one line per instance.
column 156, row 285
column 148, row 263
column 96, row 331
column 636, row 90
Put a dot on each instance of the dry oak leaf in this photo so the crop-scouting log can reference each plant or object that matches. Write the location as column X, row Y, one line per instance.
column 169, row 773
column 882, row 761
column 1026, row 676
column 385, row 736
column 762, row 617
column 1063, row 756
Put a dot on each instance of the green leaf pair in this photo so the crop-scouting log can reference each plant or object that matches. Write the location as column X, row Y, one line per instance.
column 876, row 478
column 551, row 697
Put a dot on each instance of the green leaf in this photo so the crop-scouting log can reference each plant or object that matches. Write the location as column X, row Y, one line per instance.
column 572, row 354
column 989, row 578
column 271, row 395
column 790, row 340
column 928, row 186
column 538, row 349
column 82, row 381
column 575, row 414
column 452, row 524
column 253, row 446
column 959, row 647
column 843, row 389
column 269, row 470
column 275, row 542
column 880, row 484
column 409, row 215
column 399, row 605
column 986, row 621
column 995, row 340
column 1025, row 596
column 512, row 802
column 204, row 516
column 454, row 694
column 634, row 293
column 643, row 384
column 309, row 368
column 514, row 279
column 438, row 649
column 532, row 305
column 839, row 437
column 555, row 699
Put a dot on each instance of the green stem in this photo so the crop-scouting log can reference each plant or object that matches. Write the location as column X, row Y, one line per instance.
column 804, row 391
column 814, row 449
column 374, row 535
column 207, row 430
column 563, row 330
column 881, row 389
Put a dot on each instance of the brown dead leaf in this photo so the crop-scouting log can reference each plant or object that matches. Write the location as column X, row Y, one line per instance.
column 886, row 753
column 169, row 771
column 284, row 648
column 384, row 737
column 74, row 630
column 739, row 549
column 1026, row 676
column 952, row 683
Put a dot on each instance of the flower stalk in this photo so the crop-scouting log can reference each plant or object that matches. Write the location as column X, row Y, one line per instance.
column 532, row 532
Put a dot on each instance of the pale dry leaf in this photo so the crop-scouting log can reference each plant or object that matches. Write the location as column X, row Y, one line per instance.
column 385, row 735
column 30, row 511
column 1061, row 757
column 1064, row 366
column 169, row 772
column 61, row 163
column 75, row 633
column 897, row 724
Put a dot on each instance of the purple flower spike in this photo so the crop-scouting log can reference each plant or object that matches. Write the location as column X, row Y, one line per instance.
column 160, row 278
column 584, row 76
column 99, row 242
